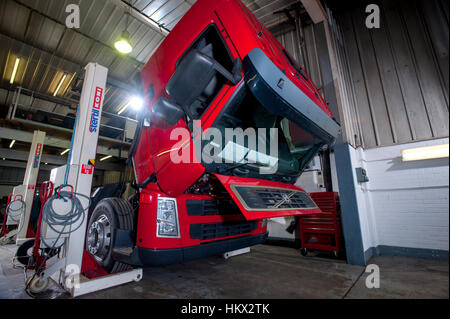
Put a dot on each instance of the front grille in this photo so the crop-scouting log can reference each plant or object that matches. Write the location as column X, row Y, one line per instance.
column 269, row 198
column 207, row 207
column 220, row 230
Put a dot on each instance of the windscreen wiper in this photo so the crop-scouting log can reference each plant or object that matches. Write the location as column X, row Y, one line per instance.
column 239, row 164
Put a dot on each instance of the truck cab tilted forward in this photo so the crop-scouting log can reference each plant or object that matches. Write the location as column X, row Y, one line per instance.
column 203, row 191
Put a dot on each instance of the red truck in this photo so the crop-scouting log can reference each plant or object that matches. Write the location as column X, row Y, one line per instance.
column 222, row 67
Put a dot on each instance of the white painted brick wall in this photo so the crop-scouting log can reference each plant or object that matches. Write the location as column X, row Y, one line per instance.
column 404, row 204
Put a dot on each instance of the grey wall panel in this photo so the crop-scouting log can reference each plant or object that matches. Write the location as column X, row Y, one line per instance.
column 390, row 85
column 444, row 7
column 393, row 81
column 406, row 72
column 436, row 23
column 380, row 115
column 329, row 91
column 399, row 73
column 311, row 62
column 357, row 82
column 427, row 69
column 350, row 114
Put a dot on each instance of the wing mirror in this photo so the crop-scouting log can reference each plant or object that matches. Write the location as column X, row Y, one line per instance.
column 166, row 113
column 193, row 75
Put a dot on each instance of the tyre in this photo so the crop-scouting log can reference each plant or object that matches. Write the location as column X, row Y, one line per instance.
column 109, row 214
column 25, row 251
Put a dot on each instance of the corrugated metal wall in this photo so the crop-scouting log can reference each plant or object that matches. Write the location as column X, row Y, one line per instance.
column 309, row 51
column 393, row 80
column 316, row 61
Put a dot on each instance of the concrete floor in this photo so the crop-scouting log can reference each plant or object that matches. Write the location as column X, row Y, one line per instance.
column 267, row 272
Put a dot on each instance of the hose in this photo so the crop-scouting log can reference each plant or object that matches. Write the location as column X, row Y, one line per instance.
column 15, row 214
column 59, row 222
column 75, row 215
column 50, row 216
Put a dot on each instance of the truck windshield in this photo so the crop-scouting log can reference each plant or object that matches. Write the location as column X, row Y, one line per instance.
column 239, row 156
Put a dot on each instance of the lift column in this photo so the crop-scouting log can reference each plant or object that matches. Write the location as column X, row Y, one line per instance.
column 82, row 161
column 27, row 190
column 80, row 174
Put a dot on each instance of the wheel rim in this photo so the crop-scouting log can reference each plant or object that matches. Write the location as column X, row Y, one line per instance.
column 99, row 237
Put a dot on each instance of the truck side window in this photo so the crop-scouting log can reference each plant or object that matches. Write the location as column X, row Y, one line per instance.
column 211, row 43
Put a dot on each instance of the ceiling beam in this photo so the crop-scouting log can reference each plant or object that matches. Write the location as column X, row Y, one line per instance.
column 315, row 10
column 16, row 164
column 142, row 17
column 41, row 96
column 27, row 137
column 53, row 159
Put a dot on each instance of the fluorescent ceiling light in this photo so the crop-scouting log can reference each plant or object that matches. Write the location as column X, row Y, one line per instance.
column 123, row 109
column 59, row 85
column 65, row 151
column 105, row 158
column 423, row 153
column 16, row 66
column 12, row 143
column 123, row 44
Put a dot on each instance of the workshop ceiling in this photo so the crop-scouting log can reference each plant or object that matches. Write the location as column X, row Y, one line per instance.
column 35, row 32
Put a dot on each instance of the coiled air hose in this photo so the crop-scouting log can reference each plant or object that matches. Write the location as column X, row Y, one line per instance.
column 62, row 222
column 15, row 214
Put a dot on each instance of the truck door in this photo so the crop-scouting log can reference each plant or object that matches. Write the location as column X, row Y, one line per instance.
column 175, row 178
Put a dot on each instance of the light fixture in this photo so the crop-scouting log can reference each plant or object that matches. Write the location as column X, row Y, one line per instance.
column 123, row 44
column 13, row 75
column 105, row 158
column 123, row 109
column 12, row 143
column 167, row 218
column 423, row 153
column 135, row 102
column 65, row 151
column 59, row 85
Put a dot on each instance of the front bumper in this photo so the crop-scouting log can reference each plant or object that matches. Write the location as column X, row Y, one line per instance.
column 144, row 257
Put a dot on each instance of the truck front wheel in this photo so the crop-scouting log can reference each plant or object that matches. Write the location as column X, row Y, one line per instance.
column 109, row 214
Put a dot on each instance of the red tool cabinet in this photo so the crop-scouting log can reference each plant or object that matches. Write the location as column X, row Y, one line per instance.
column 322, row 231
